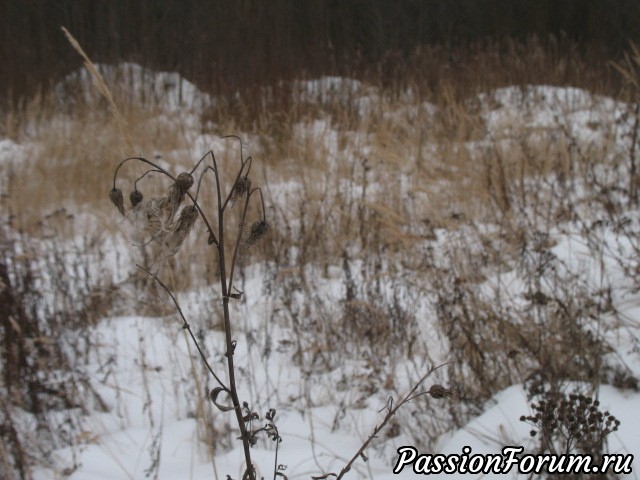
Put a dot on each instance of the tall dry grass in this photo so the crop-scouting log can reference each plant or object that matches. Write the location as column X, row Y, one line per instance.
column 80, row 134
column 380, row 130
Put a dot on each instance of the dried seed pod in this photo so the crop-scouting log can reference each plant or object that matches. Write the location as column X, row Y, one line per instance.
column 256, row 232
column 177, row 193
column 135, row 198
column 438, row 391
column 118, row 199
column 181, row 229
column 184, row 182
column 240, row 189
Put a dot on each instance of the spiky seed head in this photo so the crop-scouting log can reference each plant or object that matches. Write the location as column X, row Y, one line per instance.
column 438, row 391
column 118, row 199
column 240, row 189
column 181, row 229
column 188, row 217
column 184, row 182
column 256, row 232
column 135, row 198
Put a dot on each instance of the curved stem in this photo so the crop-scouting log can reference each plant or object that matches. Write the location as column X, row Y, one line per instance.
column 144, row 160
column 241, row 146
column 135, row 184
column 200, row 179
column 195, row 167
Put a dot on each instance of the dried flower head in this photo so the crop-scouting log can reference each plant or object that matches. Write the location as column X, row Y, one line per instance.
column 118, row 199
column 184, row 182
column 135, row 198
column 572, row 419
column 256, row 232
column 438, row 391
column 181, row 229
column 177, row 192
column 240, row 189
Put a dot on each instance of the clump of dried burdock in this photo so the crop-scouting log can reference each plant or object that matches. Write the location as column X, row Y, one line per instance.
column 155, row 219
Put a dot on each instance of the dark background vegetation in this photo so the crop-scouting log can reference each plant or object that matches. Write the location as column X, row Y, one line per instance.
column 235, row 44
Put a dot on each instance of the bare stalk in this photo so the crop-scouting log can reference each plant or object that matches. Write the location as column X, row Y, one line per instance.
column 185, row 325
column 233, row 391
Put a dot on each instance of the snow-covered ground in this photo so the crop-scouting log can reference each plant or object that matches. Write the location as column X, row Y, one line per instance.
column 153, row 385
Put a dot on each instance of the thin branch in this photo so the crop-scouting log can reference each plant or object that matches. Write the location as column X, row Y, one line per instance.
column 241, row 146
column 264, row 211
column 390, row 413
column 210, row 152
column 135, row 184
column 250, row 472
column 185, row 325
column 200, row 179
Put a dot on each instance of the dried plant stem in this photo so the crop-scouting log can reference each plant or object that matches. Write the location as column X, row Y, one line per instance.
column 390, row 413
column 102, row 86
column 233, row 391
column 185, row 325
column 173, row 241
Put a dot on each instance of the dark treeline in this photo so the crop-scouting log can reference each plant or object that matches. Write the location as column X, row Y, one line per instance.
column 234, row 44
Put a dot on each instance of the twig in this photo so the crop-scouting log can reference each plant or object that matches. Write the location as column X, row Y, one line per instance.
column 185, row 325
column 390, row 413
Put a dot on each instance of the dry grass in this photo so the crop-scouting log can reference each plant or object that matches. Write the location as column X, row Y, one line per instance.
column 76, row 141
column 383, row 164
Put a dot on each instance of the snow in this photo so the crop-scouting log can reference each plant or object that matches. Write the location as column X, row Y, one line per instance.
column 545, row 107
column 144, row 368
column 140, row 85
